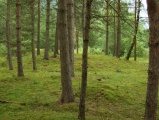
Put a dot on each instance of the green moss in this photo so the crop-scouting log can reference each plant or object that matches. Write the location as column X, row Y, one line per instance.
column 116, row 90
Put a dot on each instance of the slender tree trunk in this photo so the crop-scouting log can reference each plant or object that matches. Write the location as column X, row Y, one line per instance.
column 153, row 71
column 56, row 46
column 83, row 16
column 56, row 41
column 32, row 34
column 135, row 23
column 135, row 31
column 77, row 39
column 67, row 91
column 114, row 52
column 46, row 54
column 77, row 22
column 107, row 28
column 118, row 31
column 56, row 38
column 8, row 36
column 70, row 24
column 38, row 32
column 81, row 115
column 18, row 36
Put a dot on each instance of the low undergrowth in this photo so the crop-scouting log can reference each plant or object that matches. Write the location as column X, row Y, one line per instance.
column 116, row 90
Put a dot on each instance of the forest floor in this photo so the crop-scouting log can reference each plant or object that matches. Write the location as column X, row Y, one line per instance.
column 116, row 90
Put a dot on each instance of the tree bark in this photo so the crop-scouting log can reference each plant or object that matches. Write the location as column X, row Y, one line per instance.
column 67, row 91
column 18, row 36
column 83, row 16
column 46, row 54
column 135, row 26
column 8, row 36
column 70, row 24
column 77, row 23
column 38, row 32
column 81, row 115
column 135, row 31
column 118, row 31
column 77, row 39
column 107, row 28
column 153, row 70
column 56, row 38
column 114, row 52
column 32, row 34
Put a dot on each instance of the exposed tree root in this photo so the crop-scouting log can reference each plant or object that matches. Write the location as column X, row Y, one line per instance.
column 4, row 101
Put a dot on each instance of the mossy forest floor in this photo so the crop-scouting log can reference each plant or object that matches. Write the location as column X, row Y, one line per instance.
column 116, row 90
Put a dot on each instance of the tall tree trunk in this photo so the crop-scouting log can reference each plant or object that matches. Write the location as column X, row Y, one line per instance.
column 114, row 52
column 46, row 54
column 32, row 34
column 118, row 31
column 83, row 16
column 38, row 32
column 135, row 20
column 107, row 28
column 18, row 36
column 81, row 115
column 135, row 31
column 77, row 39
column 8, row 36
column 56, row 38
column 56, row 46
column 153, row 71
column 70, row 25
column 77, row 22
column 67, row 91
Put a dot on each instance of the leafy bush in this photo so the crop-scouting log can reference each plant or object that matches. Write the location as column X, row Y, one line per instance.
column 95, row 50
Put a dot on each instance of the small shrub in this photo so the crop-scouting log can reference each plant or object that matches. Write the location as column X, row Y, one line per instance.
column 95, row 51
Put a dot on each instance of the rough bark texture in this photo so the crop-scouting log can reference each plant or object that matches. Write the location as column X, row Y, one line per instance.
column 32, row 34
column 46, row 54
column 70, row 24
column 153, row 70
column 38, row 32
column 8, row 36
column 107, row 28
column 67, row 91
column 135, row 31
column 81, row 115
column 118, row 32
column 18, row 36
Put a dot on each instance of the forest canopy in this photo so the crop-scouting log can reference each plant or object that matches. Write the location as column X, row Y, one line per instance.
column 98, row 27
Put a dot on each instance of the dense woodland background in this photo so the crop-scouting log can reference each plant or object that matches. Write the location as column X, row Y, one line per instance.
column 97, row 43
column 67, row 44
